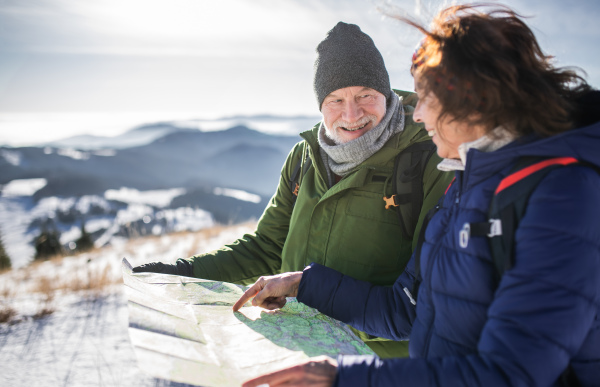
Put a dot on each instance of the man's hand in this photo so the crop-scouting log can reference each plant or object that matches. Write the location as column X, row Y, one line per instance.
column 270, row 292
column 317, row 372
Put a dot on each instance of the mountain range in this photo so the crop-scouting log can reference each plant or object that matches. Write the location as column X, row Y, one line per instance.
column 227, row 175
column 238, row 158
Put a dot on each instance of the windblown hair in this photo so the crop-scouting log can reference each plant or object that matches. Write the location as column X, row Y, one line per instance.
column 487, row 68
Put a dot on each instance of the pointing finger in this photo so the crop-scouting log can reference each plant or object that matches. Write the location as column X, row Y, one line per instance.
column 248, row 294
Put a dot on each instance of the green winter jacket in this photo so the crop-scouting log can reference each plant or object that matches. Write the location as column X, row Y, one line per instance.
column 345, row 227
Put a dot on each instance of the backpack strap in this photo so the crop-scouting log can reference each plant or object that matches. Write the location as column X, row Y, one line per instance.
column 299, row 172
column 508, row 206
column 407, row 184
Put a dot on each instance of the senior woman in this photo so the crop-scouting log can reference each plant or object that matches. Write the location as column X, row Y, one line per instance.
column 488, row 98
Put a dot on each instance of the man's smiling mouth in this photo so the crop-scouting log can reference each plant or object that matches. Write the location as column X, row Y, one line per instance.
column 354, row 129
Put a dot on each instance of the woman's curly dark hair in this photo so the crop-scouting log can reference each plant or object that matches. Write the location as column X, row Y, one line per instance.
column 487, row 67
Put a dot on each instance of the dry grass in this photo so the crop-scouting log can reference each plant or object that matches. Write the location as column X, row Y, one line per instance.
column 86, row 277
column 200, row 237
column 6, row 292
column 46, row 287
column 195, row 242
column 7, row 313
column 92, row 281
column 93, row 273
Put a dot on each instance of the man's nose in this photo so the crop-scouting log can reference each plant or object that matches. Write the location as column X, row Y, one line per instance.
column 352, row 111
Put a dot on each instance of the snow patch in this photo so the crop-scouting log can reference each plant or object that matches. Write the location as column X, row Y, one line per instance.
column 237, row 194
column 132, row 213
column 23, row 187
column 47, row 207
column 73, row 153
column 184, row 218
column 157, row 198
column 85, row 203
column 11, row 157
column 94, row 225
column 71, row 235
column 105, row 152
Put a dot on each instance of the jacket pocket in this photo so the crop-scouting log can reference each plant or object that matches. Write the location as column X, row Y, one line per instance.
column 371, row 246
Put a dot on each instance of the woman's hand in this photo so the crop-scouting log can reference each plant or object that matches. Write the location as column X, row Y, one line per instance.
column 317, row 372
column 270, row 292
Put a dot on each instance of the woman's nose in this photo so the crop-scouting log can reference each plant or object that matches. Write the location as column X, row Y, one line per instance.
column 417, row 113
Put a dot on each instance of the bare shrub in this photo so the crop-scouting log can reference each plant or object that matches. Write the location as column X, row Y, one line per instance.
column 44, row 311
column 6, row 313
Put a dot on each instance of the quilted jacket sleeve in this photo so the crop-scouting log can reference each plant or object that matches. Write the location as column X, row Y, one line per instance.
column 542, row 316
column 378, row 310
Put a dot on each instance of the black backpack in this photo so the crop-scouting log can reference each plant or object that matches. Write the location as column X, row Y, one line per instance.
column 507, row 207
column 509, row 204
column 407, row 183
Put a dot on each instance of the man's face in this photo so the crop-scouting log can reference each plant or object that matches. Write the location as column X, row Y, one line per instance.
column 350, row 112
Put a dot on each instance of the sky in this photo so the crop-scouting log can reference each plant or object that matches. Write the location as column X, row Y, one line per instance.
column 102, row 67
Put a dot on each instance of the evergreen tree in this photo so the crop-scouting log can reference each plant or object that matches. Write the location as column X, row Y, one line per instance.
column 47, row 243
column 5, row 262
column 84, row 242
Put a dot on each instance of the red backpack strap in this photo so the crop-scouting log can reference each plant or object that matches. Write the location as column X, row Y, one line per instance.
column 523, row 173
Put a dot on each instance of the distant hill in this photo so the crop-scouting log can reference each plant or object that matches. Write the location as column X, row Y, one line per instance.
column 138, row 136
column 238, row 158
column 147, row 133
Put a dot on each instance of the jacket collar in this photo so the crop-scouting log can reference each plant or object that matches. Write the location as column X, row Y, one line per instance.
column 490, row 142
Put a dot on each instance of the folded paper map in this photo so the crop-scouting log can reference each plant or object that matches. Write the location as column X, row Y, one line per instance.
column 184, row 329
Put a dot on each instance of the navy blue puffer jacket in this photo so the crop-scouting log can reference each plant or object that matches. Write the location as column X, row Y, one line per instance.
column 465, row 331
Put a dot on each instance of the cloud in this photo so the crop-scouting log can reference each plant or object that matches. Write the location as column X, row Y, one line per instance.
column 212, row 56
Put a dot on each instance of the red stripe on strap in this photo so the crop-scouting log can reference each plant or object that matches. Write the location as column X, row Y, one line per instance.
column 450, row 185
column 519, row 175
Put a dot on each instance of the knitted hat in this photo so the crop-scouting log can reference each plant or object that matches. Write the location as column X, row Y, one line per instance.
column 348, row 57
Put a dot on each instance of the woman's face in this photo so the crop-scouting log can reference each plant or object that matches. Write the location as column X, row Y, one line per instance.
column 447, row 134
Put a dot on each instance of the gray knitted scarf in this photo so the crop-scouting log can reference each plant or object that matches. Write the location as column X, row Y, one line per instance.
column 343, row 158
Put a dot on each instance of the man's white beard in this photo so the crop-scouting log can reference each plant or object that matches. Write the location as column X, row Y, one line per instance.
column 334, row 134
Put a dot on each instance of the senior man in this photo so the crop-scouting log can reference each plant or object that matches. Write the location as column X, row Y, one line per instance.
column 329, row 205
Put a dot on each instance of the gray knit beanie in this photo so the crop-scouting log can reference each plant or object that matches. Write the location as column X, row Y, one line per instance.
column 348, row 57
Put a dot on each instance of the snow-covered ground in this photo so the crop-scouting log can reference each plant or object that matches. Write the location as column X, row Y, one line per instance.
column 106, row 215
column 84, row 341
